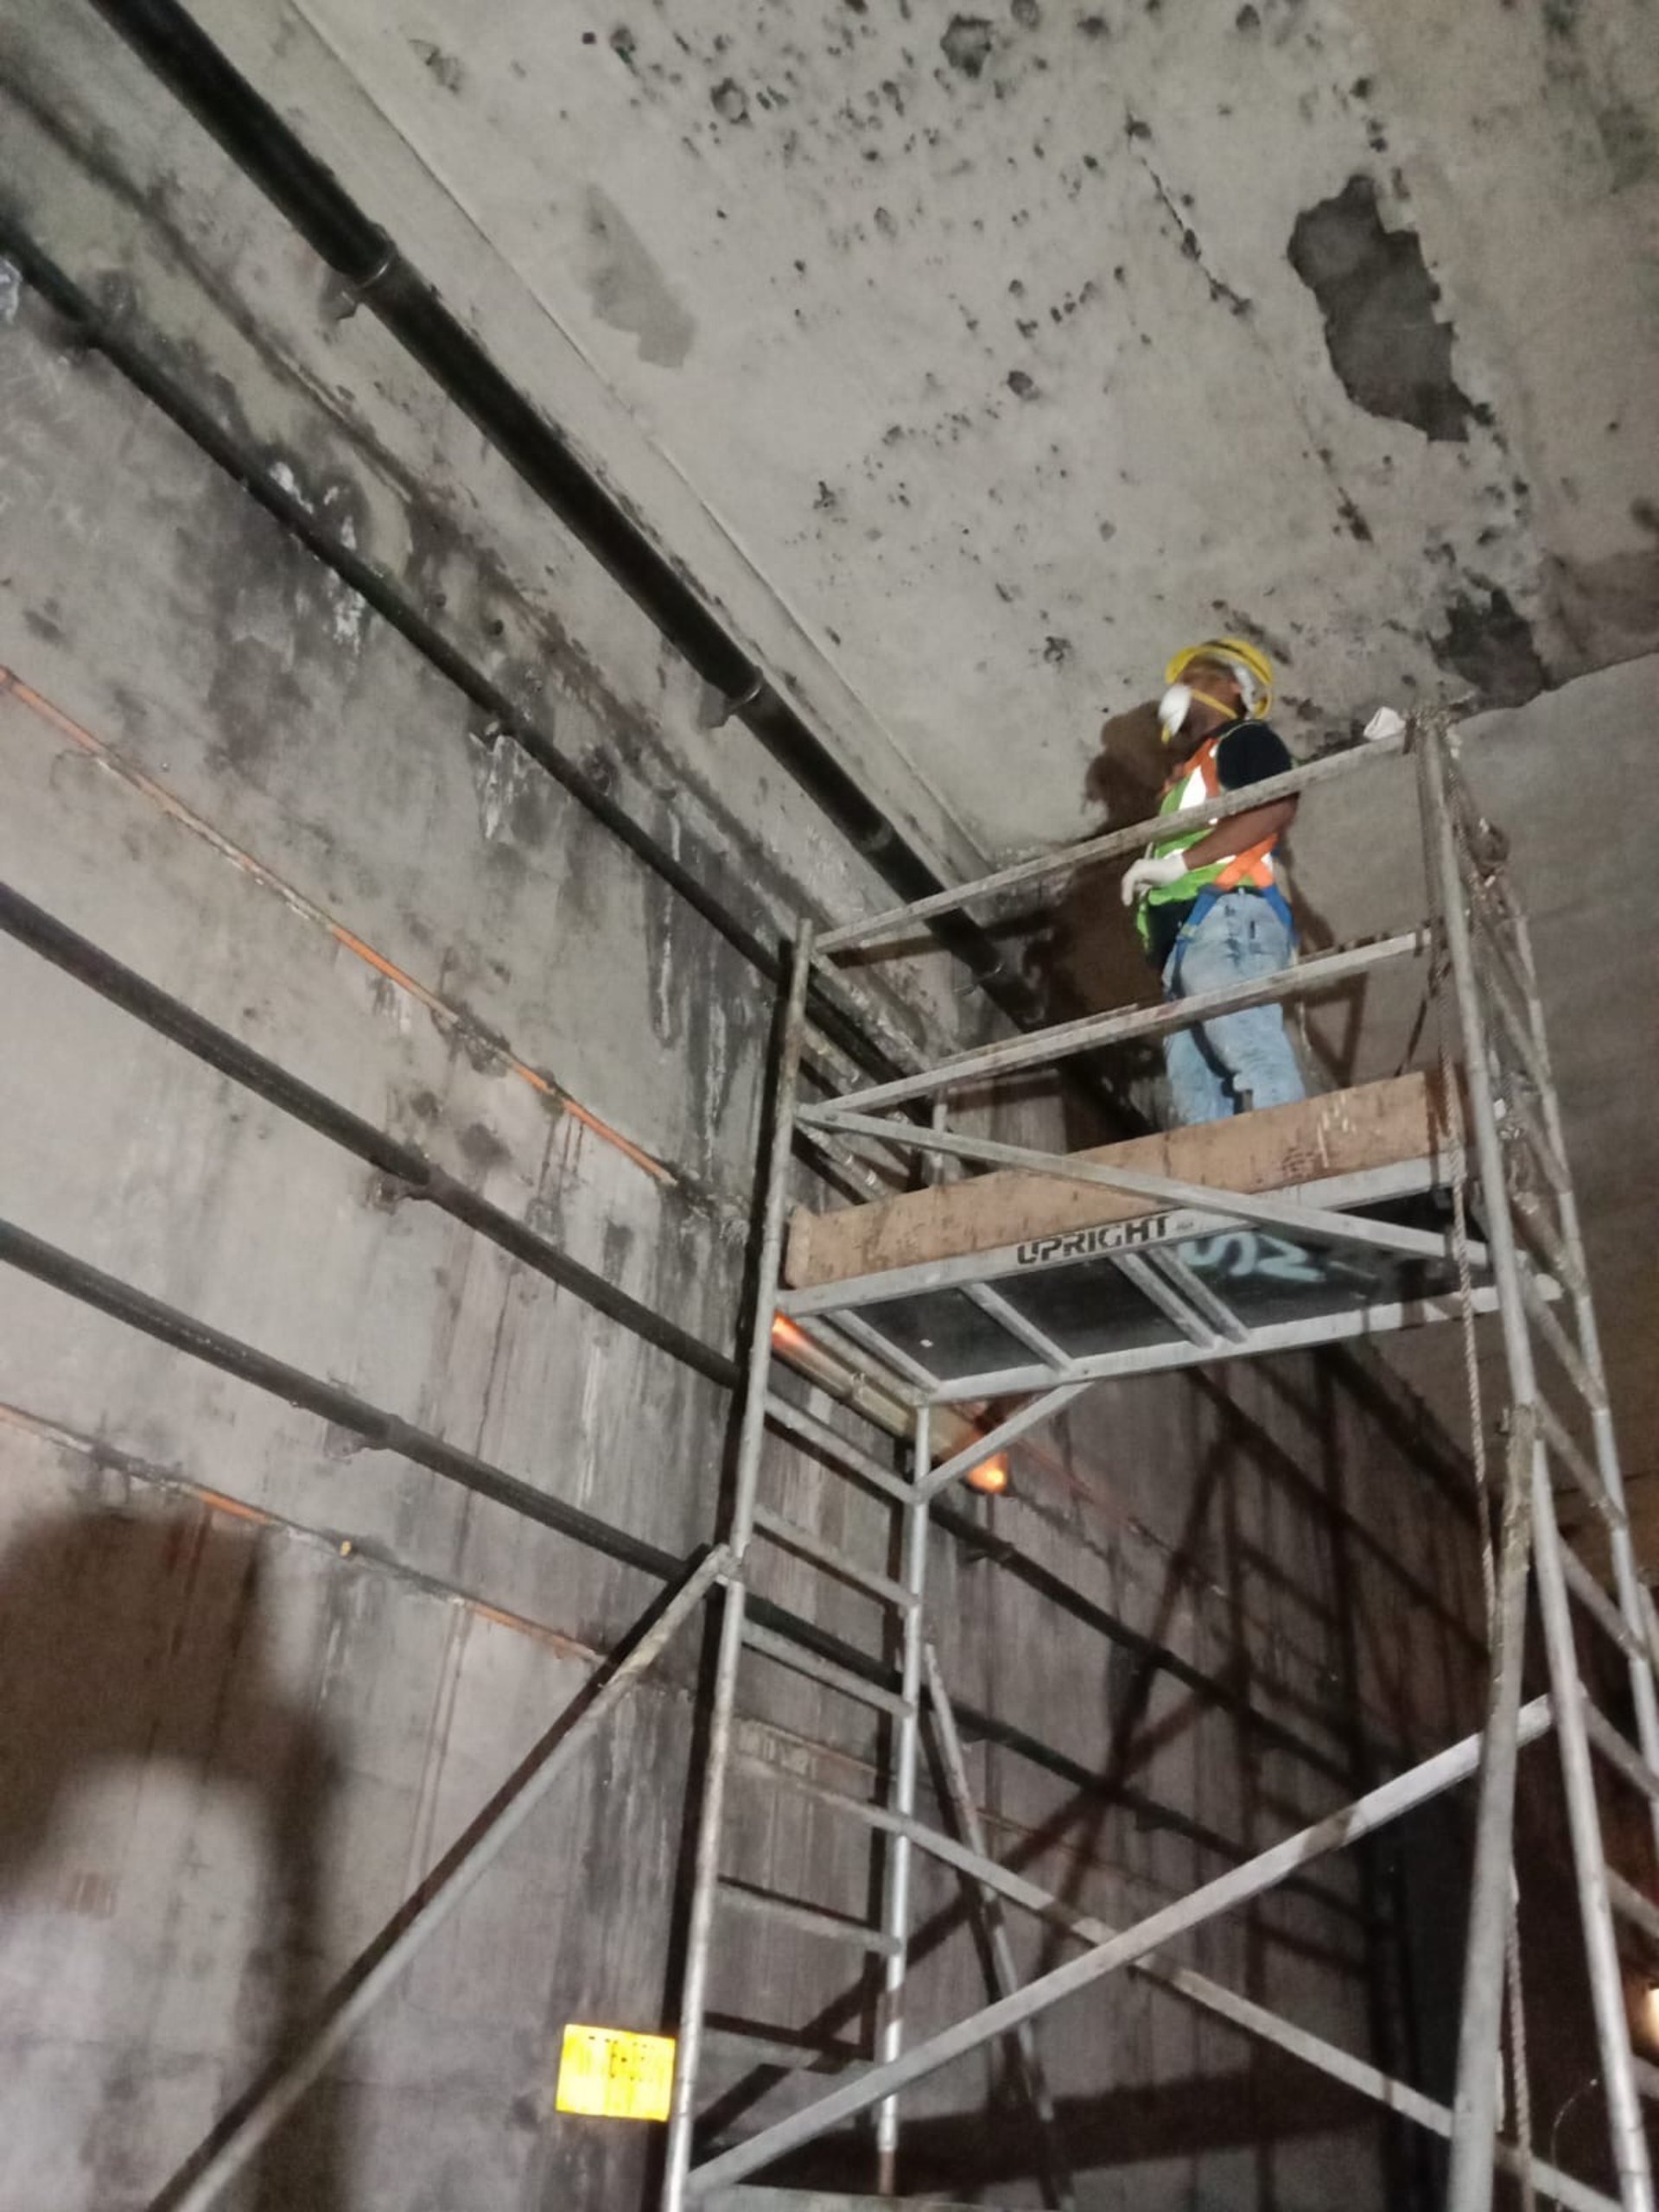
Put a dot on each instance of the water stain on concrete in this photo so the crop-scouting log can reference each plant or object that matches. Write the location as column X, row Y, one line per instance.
column 626, row 289
column 1386, row 344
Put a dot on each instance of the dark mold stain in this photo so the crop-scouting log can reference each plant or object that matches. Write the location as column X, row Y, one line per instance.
column 253, row 697
column 481, row 1148
column 967, row 44
column 1353, row 521
column 42, row 624
column 445, row 67
column 1254, row 633
column 1026, row 13
column 1247, row 19
column 1492, row 648
column 729, row 101
column 1056, row 651
column 1627, row 139
column 1022, row 386
column 1392, row 355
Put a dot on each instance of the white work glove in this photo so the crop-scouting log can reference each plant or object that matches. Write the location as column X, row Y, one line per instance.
column 1385, row 723
column 1153, row 873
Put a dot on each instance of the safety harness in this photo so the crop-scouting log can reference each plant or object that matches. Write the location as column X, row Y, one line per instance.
column 1250, row 870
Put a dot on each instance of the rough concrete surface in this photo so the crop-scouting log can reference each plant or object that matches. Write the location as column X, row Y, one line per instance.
column 259, row 1674
column 1005, row 377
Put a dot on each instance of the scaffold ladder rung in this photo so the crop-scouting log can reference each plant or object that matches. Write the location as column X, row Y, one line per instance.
column 1573, row 1456
column 824, row 1439
column 1567, row 1354
column 1616, row 1751
column 812, row 1919
column 1600, row 1607
column 800, row 1661
column 790, row 1535
column 1629, row 1903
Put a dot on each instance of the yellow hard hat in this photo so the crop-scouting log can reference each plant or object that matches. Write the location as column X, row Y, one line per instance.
column 1248, row 662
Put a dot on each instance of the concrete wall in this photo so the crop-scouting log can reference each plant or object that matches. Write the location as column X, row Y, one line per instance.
column 258, row 1675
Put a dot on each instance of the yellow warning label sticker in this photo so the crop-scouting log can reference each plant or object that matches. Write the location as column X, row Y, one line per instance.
column 618, row 2076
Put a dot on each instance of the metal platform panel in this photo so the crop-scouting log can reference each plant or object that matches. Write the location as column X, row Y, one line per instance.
column 1166, row 1289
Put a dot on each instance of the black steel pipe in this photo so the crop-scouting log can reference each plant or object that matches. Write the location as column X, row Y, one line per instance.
column 265, row 149
column 404, row 1165
column 78, row 1279
column 110, row 335
column 418, row 1178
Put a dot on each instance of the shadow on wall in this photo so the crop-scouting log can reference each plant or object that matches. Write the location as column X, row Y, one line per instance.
column 140, row 1638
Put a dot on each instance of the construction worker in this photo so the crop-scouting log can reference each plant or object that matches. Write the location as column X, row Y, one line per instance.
column 1208, row 905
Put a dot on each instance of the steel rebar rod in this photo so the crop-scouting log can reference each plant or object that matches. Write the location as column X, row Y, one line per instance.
column 751, row 1440
column 1046, row 1048
column 1112, row 844
column 382, row 1431
column 1403, row 1794
column 407, row 1168
column 239, row 2137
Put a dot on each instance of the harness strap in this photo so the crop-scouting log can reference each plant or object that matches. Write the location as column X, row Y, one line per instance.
column 1206, row 898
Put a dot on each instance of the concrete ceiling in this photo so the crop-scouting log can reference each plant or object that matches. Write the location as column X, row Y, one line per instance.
column 974, row 359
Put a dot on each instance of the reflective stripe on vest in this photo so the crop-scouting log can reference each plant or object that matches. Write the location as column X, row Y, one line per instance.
column 1252, row 868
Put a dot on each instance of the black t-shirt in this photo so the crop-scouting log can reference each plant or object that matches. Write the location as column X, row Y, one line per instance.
column 1247, row 752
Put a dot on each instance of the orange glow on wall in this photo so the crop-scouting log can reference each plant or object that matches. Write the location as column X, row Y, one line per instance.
column 787, row 1336
column 991, row 1475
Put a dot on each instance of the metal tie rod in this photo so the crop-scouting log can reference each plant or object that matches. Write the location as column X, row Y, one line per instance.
column 1169, row 1190
column 1113, row 843
column 1044, row 1048
column 1237, row 1886
column 366, row 1981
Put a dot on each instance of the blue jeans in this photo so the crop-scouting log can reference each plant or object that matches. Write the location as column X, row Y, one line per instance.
column 1238, row 1061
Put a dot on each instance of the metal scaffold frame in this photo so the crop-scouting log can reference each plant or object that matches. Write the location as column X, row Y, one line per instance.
column 1528, row 1263
column 1527, row 1266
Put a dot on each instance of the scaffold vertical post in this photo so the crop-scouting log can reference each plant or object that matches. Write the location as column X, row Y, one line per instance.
column 895, row 1915
column 693, row 1996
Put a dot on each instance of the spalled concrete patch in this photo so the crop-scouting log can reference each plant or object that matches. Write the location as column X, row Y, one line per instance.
column 1373, row 289
column 1493, row 647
